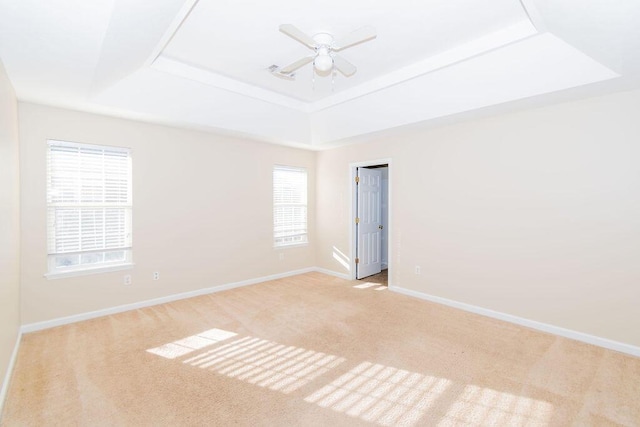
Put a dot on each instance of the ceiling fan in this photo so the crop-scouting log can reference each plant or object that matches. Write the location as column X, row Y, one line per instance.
column 325, row 59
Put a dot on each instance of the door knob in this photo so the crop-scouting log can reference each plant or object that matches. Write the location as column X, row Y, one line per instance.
column 380, row 227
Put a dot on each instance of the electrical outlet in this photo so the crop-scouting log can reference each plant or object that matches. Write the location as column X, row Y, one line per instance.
column 156, row 275
column 280, row 256
column 127, row 279
column 417, row 269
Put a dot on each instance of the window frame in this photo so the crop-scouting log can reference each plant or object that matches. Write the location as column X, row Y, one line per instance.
column 305, row 205
column 55, row 271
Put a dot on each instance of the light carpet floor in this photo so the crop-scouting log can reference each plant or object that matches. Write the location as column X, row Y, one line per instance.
column 313, row 350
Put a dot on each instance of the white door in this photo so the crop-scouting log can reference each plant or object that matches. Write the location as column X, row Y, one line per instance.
column 369, row 222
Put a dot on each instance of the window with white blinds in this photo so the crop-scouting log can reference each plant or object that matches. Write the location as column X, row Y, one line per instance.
column 88, row 207
column 289, row 205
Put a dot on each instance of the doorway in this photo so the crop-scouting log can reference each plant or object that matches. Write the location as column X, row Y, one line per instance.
column 371, row 225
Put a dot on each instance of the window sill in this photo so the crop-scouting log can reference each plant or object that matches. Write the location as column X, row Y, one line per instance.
column 88, row 271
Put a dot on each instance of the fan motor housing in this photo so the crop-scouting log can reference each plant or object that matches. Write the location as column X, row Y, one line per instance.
column 323, row 39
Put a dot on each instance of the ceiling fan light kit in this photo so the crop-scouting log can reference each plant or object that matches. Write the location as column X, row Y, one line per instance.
column 323, row 62
column 325, row 59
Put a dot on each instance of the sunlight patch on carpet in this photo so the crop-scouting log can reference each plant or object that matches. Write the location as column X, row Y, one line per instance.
column 192, row 343
column 266, row 363
column 381, row 394
column 257, row 361
column 366, row 285
column 484, row 406
column 370, row 285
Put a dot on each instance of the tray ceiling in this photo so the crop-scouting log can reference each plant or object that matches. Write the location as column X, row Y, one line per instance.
column 203, row 63
column 240, row 39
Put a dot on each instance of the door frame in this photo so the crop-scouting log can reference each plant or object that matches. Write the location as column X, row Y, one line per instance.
column 353, row 170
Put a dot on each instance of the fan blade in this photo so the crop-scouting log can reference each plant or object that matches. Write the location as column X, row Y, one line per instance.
column 295, row 65
column 344, row 66
column 358, row 36
column 298, row 35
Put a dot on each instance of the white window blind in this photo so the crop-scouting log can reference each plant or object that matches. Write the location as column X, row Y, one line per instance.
column 289, row 205
column 89, row 206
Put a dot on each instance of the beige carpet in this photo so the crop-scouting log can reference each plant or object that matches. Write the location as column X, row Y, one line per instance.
column 314, row 350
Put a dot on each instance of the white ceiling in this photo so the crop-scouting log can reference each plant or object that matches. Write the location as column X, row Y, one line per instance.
column 202, row 63
column 240, row 39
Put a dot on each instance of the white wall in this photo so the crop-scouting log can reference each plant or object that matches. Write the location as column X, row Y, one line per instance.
column 534, row 214
column 9, row 225
column 202, row 212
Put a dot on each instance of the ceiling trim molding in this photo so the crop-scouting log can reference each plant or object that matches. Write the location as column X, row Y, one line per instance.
column 534, row 15
column 504, row 37
column 184, row 12
column 179, row 68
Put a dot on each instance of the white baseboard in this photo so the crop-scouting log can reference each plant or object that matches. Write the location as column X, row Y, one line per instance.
column 7, row 376
column 38, row 326
column 533, row 324
column 344, row 276
column 545, row 327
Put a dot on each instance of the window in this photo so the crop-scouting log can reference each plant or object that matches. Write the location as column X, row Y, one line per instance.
column 88, row 207
column 289, row 206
